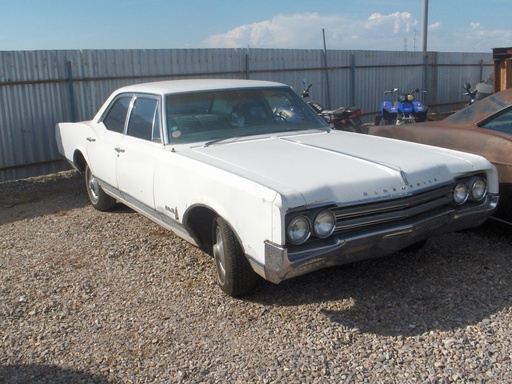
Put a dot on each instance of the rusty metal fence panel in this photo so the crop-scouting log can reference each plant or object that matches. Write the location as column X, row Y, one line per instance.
column 38, row 89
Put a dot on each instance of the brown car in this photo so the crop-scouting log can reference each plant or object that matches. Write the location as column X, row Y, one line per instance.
column 483, row 128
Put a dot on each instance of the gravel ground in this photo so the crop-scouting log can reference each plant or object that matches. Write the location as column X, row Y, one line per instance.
column 108, row 297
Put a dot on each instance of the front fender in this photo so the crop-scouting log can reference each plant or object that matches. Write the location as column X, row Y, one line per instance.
column 183, row 184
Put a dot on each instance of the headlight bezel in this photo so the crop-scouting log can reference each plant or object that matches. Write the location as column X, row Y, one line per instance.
column 471, row 189
column 321, row 225
column 304, row 220
column 325, row 213
column 460, row 192
column 482, row 190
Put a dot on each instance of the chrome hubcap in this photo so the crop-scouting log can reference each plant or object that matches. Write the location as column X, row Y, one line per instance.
column 220, row 256
column 92, row 185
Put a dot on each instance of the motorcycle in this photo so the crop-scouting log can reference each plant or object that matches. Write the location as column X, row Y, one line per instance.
column 481, row 91
column 404, row 109
column 342, row 118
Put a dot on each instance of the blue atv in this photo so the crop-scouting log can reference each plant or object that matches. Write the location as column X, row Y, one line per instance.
column 402, row 110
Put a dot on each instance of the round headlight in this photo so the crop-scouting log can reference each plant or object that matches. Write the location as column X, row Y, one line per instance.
column 478, row 189
column 298, row 230
column 460, row 193
column 324, row 224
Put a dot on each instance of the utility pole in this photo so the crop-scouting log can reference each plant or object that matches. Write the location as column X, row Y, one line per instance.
column 327, row 88
column 424, row 27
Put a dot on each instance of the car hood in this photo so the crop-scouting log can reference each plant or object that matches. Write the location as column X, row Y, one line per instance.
column 334, row 167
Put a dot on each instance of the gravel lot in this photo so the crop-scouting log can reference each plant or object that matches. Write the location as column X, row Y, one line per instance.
column 99, row 297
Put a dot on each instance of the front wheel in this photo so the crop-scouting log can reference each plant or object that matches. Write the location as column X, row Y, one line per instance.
column 415, row 247
column 354, row 125
column 99, row 199
column 234, row 273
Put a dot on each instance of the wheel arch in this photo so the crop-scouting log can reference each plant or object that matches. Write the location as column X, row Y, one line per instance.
column 199, row 221
column 79, row 161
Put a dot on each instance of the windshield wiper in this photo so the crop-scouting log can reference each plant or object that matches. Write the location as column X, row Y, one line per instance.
column 214, row 141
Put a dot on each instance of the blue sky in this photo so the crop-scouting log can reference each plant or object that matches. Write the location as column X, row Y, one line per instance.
column 454, row 25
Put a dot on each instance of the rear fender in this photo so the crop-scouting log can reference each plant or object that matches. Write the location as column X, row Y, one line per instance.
column 419, row 106
column 71, row 138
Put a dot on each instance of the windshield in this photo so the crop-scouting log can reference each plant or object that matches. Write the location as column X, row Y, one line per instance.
column 218, row 115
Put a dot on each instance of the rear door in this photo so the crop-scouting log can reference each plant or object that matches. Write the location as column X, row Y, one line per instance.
column 103, row 140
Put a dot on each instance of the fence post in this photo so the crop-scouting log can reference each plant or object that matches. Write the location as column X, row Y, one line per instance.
column 71, row 91
column 247, row 66
column 353, row 80
column 326, row 68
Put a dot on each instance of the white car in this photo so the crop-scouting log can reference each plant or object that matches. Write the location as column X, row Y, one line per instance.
column 248, row 172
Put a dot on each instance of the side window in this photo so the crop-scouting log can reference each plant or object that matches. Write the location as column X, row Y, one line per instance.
column 156, row 127
column 143, row 119
column 501, row 123
column 116, row 116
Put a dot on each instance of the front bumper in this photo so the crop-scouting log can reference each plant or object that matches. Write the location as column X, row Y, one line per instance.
column 343, row 248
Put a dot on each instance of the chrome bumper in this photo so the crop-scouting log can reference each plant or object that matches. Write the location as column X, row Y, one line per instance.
column 343, row 248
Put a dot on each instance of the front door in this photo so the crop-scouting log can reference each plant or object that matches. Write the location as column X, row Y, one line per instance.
column 140, row 149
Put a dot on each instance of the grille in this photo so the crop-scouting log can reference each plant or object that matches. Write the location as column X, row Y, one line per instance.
column 400, row 209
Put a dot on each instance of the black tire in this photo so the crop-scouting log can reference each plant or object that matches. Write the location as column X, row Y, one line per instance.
column 234, row 273
column 99, row 199
column 415, row 247
column 354, row 126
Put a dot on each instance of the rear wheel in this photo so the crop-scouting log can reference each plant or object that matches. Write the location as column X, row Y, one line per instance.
column 354, row 125
column 234, row 273
column 99, row 199
column 415, row 247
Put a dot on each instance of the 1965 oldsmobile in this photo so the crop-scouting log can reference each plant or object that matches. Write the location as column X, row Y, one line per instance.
column 248, row 172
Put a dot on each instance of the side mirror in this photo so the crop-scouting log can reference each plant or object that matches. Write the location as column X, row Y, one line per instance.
column 467, row 86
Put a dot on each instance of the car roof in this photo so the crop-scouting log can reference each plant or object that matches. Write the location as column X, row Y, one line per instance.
column 478, row 111
column 190, row 85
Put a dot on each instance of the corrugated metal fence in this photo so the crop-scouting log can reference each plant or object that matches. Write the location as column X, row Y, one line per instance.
column 41, row 88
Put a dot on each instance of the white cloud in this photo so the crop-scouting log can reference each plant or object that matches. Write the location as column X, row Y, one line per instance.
column 377, row 32
column 257, row 34
column 435, row 26
column 304, row 31
column 399, row 20
column 476, row 38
